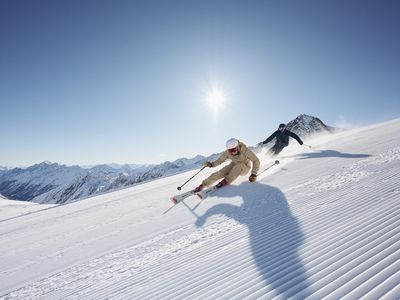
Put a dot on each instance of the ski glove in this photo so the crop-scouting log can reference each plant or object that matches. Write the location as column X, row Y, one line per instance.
column 253, row 177
column 208, row 164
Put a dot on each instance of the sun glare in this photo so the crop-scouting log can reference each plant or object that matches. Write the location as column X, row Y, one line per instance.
column 216, row 98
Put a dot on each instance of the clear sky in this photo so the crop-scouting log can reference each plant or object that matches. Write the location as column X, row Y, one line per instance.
column 89, row 82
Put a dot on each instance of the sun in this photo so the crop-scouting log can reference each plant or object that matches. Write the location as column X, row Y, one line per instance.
column 216, row 98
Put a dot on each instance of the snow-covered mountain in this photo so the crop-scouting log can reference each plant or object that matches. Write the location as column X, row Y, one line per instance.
column 128, row 166
column 306, row 126
column 53, row 183
column 2, row 170
column 37, row 180
column 324, row 224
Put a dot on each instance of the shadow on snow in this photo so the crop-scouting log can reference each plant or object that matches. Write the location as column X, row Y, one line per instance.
column 330, row 153
column 274, row 234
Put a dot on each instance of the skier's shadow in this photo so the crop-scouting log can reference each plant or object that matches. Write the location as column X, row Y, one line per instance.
column 330, row 153
column 274, row 234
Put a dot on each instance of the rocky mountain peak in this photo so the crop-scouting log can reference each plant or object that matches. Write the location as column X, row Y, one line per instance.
column 304, row 125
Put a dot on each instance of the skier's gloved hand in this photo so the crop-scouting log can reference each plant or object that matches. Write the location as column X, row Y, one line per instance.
column 253, row 177
column 208, row 164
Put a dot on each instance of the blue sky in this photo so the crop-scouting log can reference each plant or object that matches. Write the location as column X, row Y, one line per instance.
column 88, row 82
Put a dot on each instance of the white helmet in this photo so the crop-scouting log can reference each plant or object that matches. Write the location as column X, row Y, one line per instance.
column 232, row 143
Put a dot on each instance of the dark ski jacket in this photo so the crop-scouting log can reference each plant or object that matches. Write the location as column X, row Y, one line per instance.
column 282, row 138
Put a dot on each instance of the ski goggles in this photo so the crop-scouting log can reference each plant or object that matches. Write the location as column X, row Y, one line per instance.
column 234, row 150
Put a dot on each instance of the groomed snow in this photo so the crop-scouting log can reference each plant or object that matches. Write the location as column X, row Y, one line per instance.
column 324, row 224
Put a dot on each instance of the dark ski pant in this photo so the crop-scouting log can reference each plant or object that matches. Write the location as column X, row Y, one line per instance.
column 276, row 149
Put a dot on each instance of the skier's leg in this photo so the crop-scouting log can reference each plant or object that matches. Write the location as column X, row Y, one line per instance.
column 278, row 149
column 217, row 175
column 274, row 150
column 237, row 170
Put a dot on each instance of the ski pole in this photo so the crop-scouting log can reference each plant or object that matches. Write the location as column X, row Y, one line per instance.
column 275, row 163
column 180, row 187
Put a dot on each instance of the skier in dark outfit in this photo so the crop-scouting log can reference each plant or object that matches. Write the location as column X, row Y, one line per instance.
column 282, row 139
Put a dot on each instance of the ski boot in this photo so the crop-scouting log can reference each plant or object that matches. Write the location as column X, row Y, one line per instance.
column 222, row 183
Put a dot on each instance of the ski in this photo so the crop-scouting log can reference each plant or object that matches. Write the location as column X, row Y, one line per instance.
column 178, row 198
column 202, row 195
column 205, row 193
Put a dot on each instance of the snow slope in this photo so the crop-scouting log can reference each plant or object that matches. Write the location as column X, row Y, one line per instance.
column 324, row 224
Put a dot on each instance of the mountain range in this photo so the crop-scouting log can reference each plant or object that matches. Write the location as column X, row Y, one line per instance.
column 54, row 183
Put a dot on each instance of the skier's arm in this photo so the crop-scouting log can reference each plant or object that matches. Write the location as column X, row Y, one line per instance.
column 293, row 135
column 254, row 159
column 220, row 160
column 270, row 138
